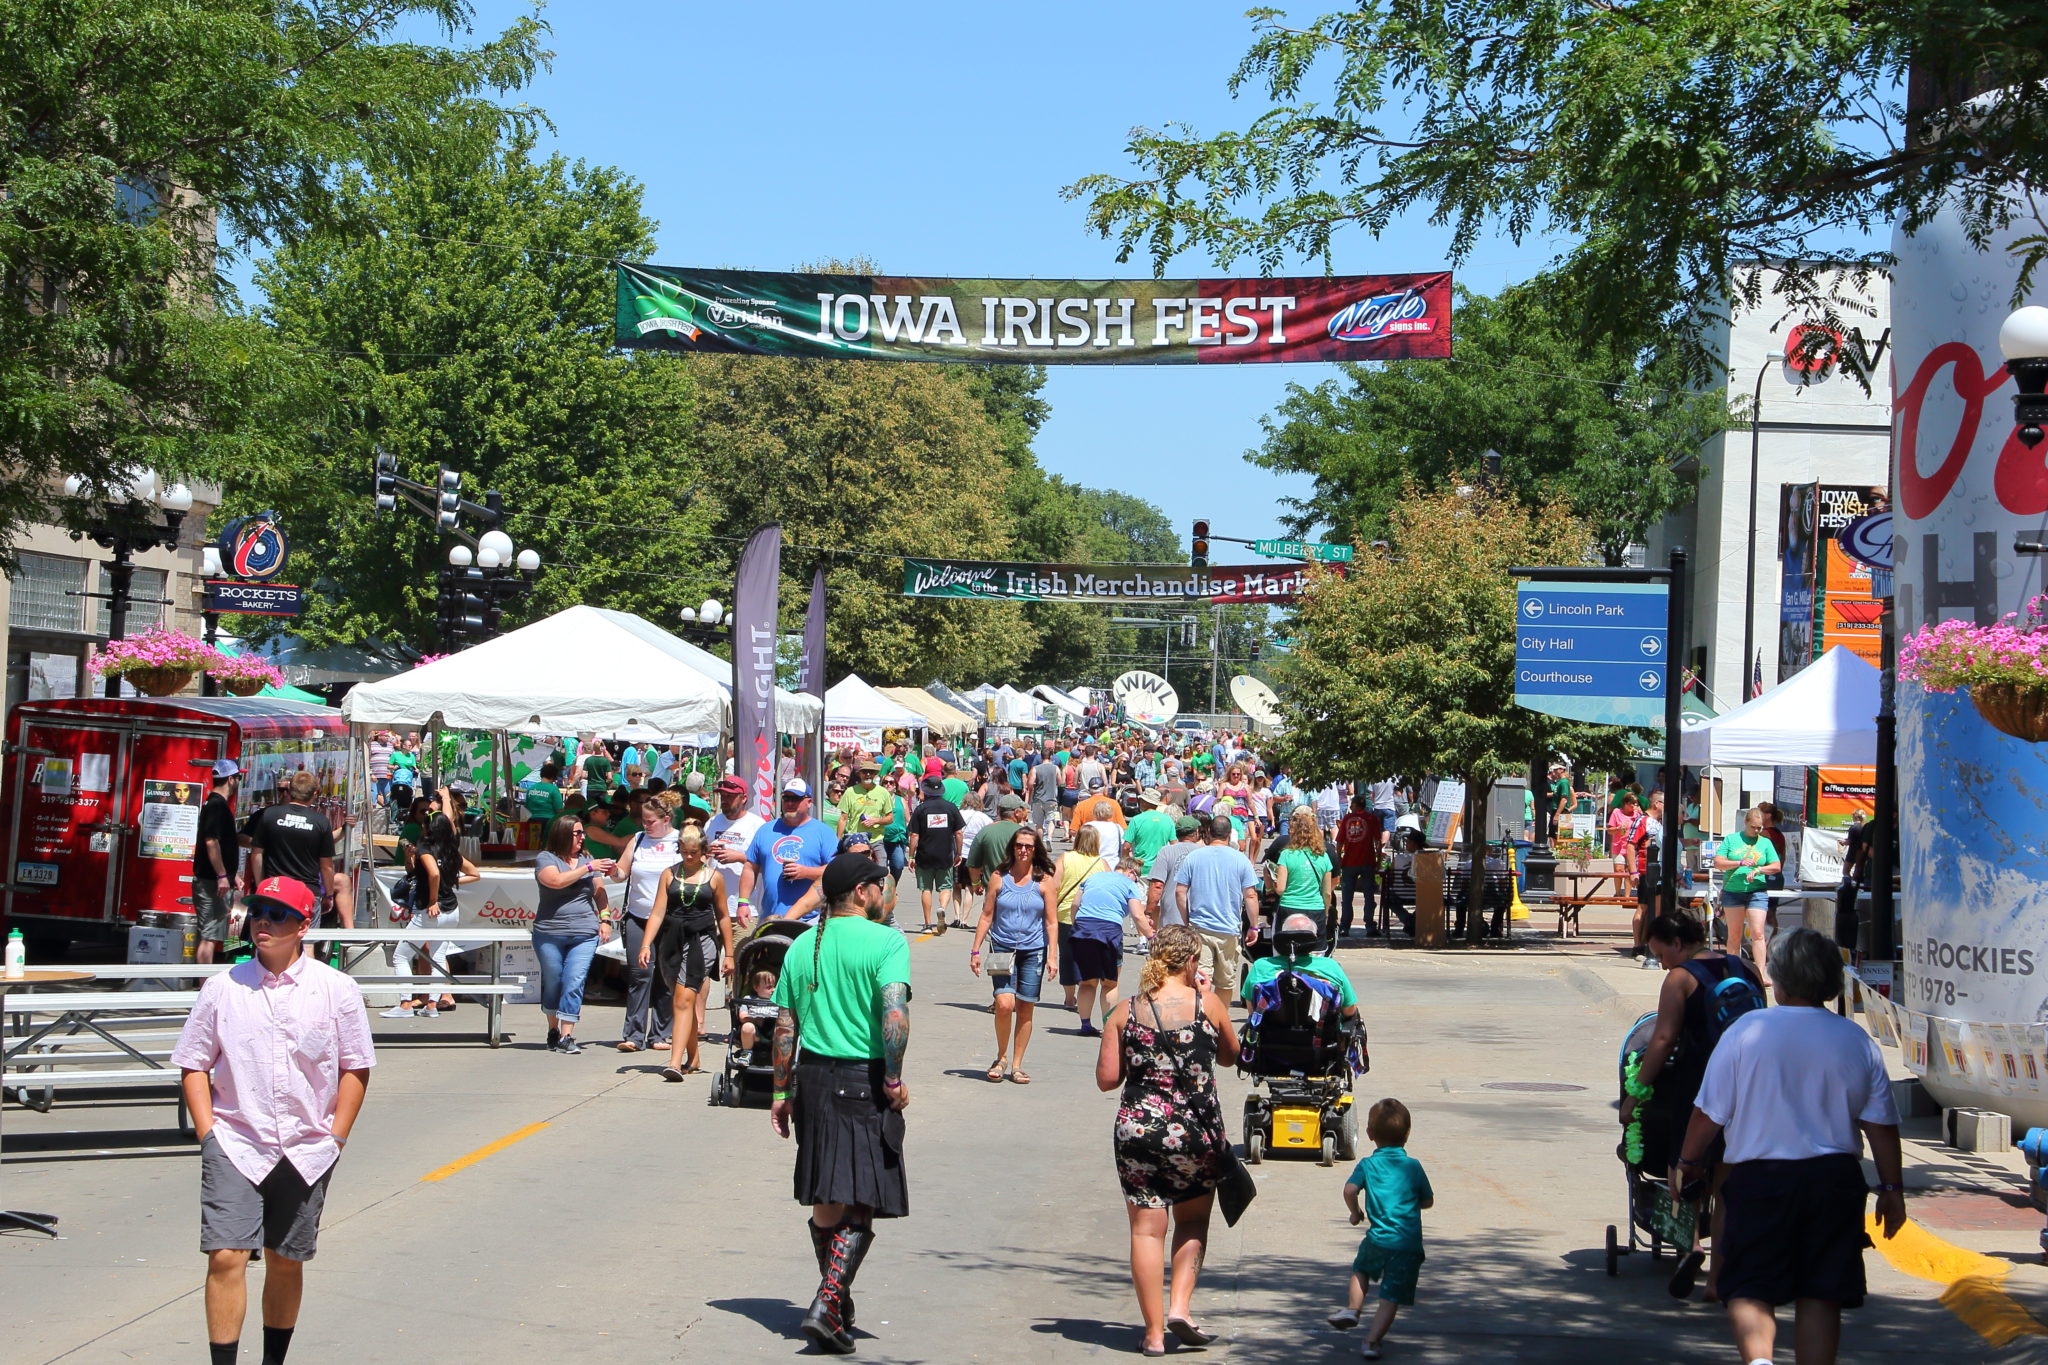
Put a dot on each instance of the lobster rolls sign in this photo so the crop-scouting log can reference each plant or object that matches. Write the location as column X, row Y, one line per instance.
column 1036, row 322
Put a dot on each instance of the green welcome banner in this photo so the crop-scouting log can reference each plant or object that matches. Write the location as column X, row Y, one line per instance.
column 1035, row 322
column 1101, row 582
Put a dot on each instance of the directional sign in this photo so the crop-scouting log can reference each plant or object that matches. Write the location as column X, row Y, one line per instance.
column 1593, row 652
column 1304, row 549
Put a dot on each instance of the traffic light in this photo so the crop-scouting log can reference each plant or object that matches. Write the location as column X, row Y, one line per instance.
column 385, row 482
column 1255, row 651
column 1198, row 548
column 451, row 498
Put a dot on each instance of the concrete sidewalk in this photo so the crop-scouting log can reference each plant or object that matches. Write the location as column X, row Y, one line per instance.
column 640, row 1224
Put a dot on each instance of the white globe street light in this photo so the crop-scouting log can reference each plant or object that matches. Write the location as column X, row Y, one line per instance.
column 529, row 561
column 498, row 543
column 711, row 613
column 2023, row 338
column 176, row 498
column 487, row 556
column 460, row 557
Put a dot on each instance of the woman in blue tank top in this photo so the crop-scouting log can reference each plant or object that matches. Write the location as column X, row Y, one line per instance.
column 1019, row 928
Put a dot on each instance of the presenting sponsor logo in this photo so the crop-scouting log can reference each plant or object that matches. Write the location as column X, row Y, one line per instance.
column 1382, row 316
column 733, row 312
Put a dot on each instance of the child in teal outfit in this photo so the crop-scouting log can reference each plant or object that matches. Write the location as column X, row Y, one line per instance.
column 1396, row 1193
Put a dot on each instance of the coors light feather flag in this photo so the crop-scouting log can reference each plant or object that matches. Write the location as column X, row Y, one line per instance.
column 812, row 680
column 754, row 606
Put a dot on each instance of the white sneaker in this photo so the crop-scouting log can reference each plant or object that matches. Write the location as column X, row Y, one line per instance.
column 1368, row 1351
column 397, row 1012
column 1344, row 1319
column 430, row 1012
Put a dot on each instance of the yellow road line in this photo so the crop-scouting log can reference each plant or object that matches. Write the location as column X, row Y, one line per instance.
column 463, row 1163
column 1972, row 1279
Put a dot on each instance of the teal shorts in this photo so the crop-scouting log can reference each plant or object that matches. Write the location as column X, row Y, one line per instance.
column 1394, row 1268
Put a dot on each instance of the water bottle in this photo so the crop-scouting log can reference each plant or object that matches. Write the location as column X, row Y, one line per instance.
column 17, row 956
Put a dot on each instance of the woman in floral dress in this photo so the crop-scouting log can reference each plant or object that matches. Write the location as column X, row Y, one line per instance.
column 1162, row 1046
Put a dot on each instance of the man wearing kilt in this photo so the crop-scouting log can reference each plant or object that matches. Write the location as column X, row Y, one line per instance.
column 844, row 995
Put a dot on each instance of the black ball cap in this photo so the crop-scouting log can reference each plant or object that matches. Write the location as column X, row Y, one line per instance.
column 848, row 871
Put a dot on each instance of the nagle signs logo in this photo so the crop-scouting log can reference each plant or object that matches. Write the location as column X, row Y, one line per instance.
column 1402, row 314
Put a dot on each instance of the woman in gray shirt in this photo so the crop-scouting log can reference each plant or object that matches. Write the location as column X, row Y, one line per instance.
column 572, row 918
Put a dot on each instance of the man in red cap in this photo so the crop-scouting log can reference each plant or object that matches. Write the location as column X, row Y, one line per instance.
column 729, row 834
column 276, row 1059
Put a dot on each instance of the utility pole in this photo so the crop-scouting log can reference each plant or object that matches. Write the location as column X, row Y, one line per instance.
column 1215, row 655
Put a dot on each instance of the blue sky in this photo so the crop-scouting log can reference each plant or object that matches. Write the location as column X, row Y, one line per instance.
column 934, row 138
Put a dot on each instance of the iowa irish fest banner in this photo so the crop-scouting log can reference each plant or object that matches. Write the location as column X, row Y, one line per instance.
column 754, row 607
column 1101, row 582
column 1036, row 322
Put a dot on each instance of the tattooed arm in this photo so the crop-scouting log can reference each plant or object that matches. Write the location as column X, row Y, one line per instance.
column 785, row 1071
column 895, row 1038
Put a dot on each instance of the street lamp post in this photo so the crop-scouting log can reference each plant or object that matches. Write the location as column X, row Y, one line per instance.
column 711, row 621
column 120, row 517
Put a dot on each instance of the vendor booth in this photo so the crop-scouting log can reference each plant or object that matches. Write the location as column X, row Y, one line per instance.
column 856, row 713
column 939, row 718
column 1823, row 715
column 105, row 796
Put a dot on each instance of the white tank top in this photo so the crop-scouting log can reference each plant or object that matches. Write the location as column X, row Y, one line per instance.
column 651, row 858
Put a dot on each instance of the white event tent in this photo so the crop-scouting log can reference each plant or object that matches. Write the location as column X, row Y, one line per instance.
column 852, row 705
column 581, row 670
column 1823, row 715
column 941, row 718
column 1060, row 700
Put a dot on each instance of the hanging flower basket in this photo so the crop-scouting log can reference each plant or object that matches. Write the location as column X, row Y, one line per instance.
column 160, row 682
column 156, row 662
column 2004, row 666
column 2019, row 712
column 244, row 675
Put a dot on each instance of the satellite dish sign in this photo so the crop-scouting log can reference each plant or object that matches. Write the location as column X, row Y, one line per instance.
column 1255, row 699
column 1146, row 697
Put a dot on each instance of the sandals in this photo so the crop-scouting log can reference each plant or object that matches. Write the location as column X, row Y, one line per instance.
column 1020, row 1077
column 996, row 1070
column 672, row 1073
column 1187, row 1333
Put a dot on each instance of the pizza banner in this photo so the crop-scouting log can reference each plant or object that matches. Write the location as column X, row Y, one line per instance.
column 1036, row 322
column 1102, row 582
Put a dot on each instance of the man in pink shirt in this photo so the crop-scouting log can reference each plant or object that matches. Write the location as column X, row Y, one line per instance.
column 276, row 1057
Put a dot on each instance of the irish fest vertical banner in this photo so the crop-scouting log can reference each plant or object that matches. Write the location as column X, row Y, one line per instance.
column 811, row 749
column 755, row 602
column 1036, row 322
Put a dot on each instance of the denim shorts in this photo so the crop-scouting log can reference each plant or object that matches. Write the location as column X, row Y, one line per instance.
column 1025, row 981
column 1745, row 900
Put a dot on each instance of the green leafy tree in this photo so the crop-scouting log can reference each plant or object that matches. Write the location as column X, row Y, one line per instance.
column 1602, row 434
column 472, row 330
column 1675, row 144
column 139, row 136
column 1407, row 668
column 862, row 464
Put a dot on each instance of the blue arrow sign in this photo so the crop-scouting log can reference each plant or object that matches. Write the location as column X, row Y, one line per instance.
column 1593, row 653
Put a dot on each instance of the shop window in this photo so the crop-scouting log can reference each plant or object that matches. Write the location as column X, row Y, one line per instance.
column 44, row 588
column 146, row 592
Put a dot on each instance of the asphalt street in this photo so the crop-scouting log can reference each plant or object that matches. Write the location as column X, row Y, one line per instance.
column 517, row 1205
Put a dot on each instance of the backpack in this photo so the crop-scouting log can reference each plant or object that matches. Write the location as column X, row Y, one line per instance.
column 1727, row 999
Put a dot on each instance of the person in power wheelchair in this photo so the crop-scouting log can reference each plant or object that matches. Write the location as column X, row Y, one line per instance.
column 1304, row 1040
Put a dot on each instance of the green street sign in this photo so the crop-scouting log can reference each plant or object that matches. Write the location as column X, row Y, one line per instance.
column 1304, row 549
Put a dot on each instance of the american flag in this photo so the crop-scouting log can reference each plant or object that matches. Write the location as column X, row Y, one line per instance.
column 1756, row 677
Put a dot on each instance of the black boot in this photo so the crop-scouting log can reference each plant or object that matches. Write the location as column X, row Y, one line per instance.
column 821, row 1246
column 825, row 1324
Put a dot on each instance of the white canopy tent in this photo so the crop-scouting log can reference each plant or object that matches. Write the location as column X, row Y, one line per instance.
column 796, row 713
column 851, row 704
column 1060, row 700
column 583, row 669
column 1823, row 715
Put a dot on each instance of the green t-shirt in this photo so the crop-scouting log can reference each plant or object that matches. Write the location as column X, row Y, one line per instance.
column 899, row 822
column 597, row 769
column 1266, row 968
column 870, row 811
column 1203, row 760
column 543, row 801
column 404, row 763
column 829, row 813
column 1305, row 872
column 956, row 790
column 991, row 849
column 1751, row 853
column 855, row 959
column 887, row 764
column 1395, row 1190
column 1149, row 832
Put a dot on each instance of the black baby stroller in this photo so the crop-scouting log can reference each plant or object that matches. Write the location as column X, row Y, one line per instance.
column 1301, row 1049
column 751, row 1070
column 1651, row 1210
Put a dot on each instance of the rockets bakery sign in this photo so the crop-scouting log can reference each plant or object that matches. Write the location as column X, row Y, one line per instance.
column 1036, row 322
column 1101, row 582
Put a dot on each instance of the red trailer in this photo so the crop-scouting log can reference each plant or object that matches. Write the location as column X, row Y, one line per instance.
column 103, row 798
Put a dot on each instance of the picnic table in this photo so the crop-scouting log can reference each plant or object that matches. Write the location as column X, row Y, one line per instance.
column 354, row 945
column 45, row 1223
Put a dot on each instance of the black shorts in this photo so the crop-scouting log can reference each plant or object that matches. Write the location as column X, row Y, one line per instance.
column 1096, row 959
column 689, row 957
column 1794, row 1231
